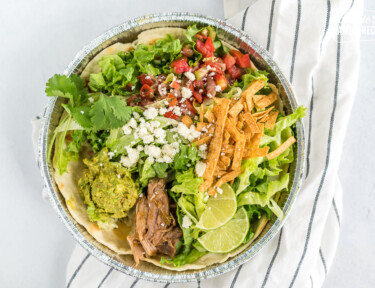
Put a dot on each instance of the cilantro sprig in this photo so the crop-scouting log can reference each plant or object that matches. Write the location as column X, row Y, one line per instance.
column 107, row 112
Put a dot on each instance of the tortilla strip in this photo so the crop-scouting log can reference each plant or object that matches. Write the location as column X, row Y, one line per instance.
column 255, row 140
column 248, row 133
column 271, row 120
column 257, row 152
column 203, row 140
column 238, row 153
column 232, row 129
column 226, row 138
column 211, row 191
column 210, row 116
column 227, row 177
column 201, row 113
column 253, row 88
column 225, row 160
column 265, row 100
column 215, row 145
column 250, row 121
column 281, row 148
column 249, row 103
column 227, row 149
column 262, row 113
column 187, row 121
column 201, row 125
column 219, row 173
column 236, row 109
column 263, row 119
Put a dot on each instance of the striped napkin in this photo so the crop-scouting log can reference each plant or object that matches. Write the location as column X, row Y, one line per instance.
column 316, row 44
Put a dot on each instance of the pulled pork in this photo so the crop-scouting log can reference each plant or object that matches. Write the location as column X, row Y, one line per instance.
column 155, row 226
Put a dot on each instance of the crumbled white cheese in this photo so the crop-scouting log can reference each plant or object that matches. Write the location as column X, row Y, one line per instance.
column 150, row 113
column 186, row 222
column 91, row 100
column 111, row 155
column 155, row 124
column 186, row 93
column 131, row 159
column 148, row 139
column 190, row 76
column 219, row 190
column 200, row 167
column 218, row 88
column 170, row 150
column 136, row 115
column 162, row 111
column 132, row 123
column 189, row 134
column 82, row 112
column 127, row 130
column 209, row 95
column 140, row 148
column 153, row 151
column 177, row 110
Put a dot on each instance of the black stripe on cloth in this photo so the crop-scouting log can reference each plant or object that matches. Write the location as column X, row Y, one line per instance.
column 310, row 128
column 295, row 41
column 272, row 260
column 323, row 261
column 135, row 283
column 77, row 270
column 105, row 277
column 270, row 25
column 312, row 84
column 336, row 211
column 328, row 148
column 166, row 285
column 312, row 282
column 327, row 23
column 199, row 283
column 244, row 18
column 236, row 276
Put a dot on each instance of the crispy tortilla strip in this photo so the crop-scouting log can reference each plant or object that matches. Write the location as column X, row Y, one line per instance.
column 248, row 133
column 210, row 116
column 271, row 120
column 226, row 138
column 262, row 113
column 265, row 100
column 236, row 109
column 227, row 177
column 238, row 153
column 227, row 149
column 187, row 121
column 221, row 165
column 203, row 140
column 249, row 102
column 215, row 145
column 201, row 125
column 250, row 121
column 255, row 140
column 219, row 173
column 281, row 148
column 212, row 192
column 257, row 152
column 201, row 113
column 232, row 129
column 263, row 119
column 239, row 124
column 225, row 159
column 253, row 88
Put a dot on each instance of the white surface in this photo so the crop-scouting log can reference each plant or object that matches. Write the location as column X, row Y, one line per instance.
column 39, row 39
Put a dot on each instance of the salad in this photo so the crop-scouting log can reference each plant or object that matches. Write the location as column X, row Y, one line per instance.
column 174, row 148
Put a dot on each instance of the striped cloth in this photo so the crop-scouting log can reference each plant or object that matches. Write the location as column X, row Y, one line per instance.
column 312, row 44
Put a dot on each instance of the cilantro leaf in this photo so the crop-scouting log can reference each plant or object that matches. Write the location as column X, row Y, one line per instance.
column 109, row 113
column 81, row 115
column 72, row 88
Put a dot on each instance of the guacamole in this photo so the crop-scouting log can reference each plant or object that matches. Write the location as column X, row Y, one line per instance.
column 107, row 188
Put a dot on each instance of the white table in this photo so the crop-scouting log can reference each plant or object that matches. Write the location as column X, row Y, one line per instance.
column 39, row 38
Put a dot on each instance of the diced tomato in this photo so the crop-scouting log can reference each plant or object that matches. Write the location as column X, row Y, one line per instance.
column 242, row 60
column 229, row 61
column 201, row 37
column 145, row 79
column 170, row 114
column 199, row 83
column 197, row 96
column 146, row 91
column 209, row 44
column 221, row 81
column 205, row 50
column 180, row 65
column 234, row 72
column 215, row 66
column 175, row 85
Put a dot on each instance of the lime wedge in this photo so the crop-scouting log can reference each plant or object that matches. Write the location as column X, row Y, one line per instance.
column 219, row 210
column 229, row 236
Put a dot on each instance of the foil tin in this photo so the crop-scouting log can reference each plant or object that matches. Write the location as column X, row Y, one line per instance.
column 127, row 32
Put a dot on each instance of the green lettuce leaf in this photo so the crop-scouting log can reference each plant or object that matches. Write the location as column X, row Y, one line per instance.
column 187, row 182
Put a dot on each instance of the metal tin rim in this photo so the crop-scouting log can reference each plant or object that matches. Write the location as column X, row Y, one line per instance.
column 209, row 272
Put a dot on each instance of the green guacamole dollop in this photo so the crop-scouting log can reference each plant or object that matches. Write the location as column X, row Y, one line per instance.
column 107, row 188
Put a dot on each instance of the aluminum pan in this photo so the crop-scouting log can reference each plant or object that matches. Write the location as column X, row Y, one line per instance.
column 127, row 32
